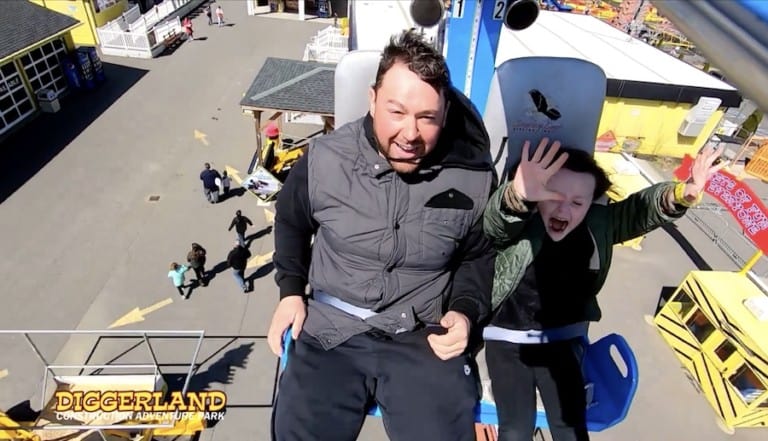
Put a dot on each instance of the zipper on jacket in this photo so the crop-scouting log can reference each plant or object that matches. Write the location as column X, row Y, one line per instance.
column 390, row 265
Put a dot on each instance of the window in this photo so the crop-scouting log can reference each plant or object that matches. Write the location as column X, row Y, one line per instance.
column 15, row 102
column 43, row 68
column 682, row 304
column 725, row 350
column 700, row 326
column 101, row 5
column 747, row 384
column 7, row 69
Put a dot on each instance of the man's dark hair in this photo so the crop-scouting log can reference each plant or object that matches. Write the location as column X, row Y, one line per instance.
column 421, row 58
column 580, row 161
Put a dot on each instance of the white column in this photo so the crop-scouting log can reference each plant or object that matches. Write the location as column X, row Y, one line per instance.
column 301, row 10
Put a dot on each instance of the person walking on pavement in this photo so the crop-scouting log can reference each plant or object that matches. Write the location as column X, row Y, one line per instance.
column 196, row 259
column 207, row 10
column 187, row 25
column 237, row 259
column 210, row 188
column 219, row 15
column 176, row 274
column 226, row 182
column 240, row 224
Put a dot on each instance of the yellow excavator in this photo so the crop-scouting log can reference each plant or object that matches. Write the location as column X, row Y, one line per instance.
column 278, row 155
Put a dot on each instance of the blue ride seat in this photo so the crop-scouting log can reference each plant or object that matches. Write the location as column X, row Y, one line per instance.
column 610, row 388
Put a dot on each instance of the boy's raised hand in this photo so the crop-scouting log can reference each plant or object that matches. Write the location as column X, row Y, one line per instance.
column 532, row 175
column 704, row 167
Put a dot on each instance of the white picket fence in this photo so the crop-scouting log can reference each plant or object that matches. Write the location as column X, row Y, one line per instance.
column 328, row 46
column 125, row 44
column 141, row 36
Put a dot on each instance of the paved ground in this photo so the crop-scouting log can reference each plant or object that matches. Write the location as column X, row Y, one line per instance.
column 84, row 247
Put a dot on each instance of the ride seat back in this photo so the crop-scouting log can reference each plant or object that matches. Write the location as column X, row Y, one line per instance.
column 531, row 98
column 355, row 74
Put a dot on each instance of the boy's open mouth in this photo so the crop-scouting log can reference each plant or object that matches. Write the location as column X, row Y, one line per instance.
column 557, row 225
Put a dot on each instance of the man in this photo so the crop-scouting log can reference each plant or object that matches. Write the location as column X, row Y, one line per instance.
column 196, row 260
column 400, row 271
column 207, row 10
column 210, row 187
column 240, row 224
column 237, row 259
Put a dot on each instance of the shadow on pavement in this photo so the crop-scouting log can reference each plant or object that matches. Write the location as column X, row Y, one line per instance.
column 220, row 367
column 27, row 150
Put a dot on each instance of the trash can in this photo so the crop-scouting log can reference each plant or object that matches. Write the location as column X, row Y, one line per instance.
column 71, row 72
column 86, row 69
column 93, row 56
column 48, row 101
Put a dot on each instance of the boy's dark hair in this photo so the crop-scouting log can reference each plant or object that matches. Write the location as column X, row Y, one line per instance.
column 421, row 58
column 580, row 161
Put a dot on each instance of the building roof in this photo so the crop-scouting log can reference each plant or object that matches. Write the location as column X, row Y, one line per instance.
column 23, row 24
column 292, row 85
column 625, row 60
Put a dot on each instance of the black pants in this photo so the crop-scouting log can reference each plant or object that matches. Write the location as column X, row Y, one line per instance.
column 516, row 371
column 324, row 395
column 200, row 273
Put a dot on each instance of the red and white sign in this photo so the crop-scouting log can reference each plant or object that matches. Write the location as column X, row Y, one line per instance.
column 738, row 198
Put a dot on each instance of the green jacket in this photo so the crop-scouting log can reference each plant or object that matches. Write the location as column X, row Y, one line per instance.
column 517, row 234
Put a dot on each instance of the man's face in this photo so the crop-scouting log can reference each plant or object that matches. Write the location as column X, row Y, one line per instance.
column 561, row 217
column 408, row 115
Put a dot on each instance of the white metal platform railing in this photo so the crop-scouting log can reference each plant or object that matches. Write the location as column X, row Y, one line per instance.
column 53, row 370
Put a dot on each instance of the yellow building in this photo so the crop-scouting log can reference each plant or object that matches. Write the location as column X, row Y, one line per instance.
column 653, row 100
column 92, row 13
column 717, row 325
column 31, row 60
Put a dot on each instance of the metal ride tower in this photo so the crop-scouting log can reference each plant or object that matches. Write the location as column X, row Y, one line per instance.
column 472, row 37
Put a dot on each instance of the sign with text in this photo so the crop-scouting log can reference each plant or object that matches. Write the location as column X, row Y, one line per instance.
column 738, row 198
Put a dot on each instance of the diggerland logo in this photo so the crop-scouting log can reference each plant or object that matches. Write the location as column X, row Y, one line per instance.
column 141, row 405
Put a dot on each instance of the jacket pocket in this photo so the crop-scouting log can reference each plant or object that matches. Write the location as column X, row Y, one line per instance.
column 441, row 232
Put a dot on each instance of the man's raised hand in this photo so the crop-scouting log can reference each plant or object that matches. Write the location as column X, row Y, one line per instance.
column 532, row 175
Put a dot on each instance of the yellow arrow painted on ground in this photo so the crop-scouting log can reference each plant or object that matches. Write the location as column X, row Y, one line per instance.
column 270, row 216
column 137, row 315
column 3, row 373
column 201, row 136
column 259, row 261
column 234, row 174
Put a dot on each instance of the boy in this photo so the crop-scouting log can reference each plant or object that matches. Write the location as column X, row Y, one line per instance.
column 555, row 247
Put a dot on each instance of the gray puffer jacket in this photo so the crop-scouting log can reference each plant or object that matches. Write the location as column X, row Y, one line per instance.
column 408, row 247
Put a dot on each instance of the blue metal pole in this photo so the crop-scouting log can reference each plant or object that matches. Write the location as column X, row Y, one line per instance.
column 471, row 43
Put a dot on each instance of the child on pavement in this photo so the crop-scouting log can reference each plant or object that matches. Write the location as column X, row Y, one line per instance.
column 176, row 274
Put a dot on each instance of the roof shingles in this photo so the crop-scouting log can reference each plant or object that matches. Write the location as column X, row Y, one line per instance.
column 292, row 85
column 23, row 23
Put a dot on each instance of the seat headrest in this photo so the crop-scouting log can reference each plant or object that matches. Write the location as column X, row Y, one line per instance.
column 355, row 74
column 558, row 98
